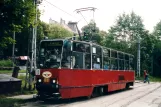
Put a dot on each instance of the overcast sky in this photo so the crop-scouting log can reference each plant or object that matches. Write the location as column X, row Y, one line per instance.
column 106, row 13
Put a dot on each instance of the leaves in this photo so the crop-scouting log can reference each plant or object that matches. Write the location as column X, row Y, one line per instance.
column 127, row 27
column 58, row 31
column 15, row 15
column 93, row 32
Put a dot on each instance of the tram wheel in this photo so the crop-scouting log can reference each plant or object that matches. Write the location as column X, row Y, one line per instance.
column 101, row 91
column 127, row 86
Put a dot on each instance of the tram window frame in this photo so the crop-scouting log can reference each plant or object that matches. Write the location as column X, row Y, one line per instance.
column 86, row 46
column 126, row 64
column 96, row 57
column 120, row 55
column 131, row 62
column 113, row 54
column 82, row 55
column 114, row 63
column 121, row 64
column 67, row 60
column 121, row 61
column 106, row 58
column 126, row 57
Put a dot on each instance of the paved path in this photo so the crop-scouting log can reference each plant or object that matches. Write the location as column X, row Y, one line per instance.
column 141, row 95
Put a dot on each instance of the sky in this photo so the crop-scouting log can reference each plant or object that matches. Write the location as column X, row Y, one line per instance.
column 106, row 13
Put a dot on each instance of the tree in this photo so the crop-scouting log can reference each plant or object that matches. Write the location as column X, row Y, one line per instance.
column 15, row 16
column 127, row 27
column 92, row 31
column 58, row 31
column 156, row 54
column 157, row 30
column 124, row 34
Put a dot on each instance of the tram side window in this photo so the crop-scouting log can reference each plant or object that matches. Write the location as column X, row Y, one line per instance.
column 106, row 60
column 82, row 55
column 66, row 60
column 121, row 64
column 131, row 63
column 126, row 62
column 114, row 64
column 96, row 57
column 126, row 65
column 121, row 61
column 78, row 63
column 114, row 60
column 88, row 61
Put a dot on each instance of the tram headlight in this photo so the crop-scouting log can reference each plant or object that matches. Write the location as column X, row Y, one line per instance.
column 39, row 80
column 37, row 72
column 54, row 81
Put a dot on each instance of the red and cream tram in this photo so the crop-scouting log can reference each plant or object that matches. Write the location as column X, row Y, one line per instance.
column 69, row 69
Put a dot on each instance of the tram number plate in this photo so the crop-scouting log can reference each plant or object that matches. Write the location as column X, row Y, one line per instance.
column 46, row 80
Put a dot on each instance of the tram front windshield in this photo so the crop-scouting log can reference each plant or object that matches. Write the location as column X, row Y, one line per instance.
column 50, row 54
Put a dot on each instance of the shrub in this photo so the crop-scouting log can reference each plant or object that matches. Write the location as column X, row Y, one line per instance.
column 6, row 63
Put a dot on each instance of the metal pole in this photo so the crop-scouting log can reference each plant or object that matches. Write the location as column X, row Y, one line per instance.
column 31, row 62
column 35, row 35
column 33, row 49
column 138, row 58
column 13, row 50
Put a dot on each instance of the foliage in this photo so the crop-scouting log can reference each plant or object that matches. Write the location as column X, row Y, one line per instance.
column 5, row 63
column 9, row 102
column 10, row 71
column 58, row 31
column 93, row 33
column 124, row 36
column 156, row 54
column 157, row 30
column 42, row 31
column 14, row 16
column 127, row 27
column 151, row 78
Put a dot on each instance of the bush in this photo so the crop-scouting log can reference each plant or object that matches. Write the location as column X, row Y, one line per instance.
column 6, row 63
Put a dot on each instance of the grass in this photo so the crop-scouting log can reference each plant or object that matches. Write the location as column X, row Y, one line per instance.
column 10, row 71
column 151, row 78
column 8, row 102
column 23, row 90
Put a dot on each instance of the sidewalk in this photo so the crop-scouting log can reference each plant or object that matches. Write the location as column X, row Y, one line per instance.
column 30, row 96
column 24, row 97
column 138, row 81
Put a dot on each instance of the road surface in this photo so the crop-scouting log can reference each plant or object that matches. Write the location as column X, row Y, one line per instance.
column 141, row 95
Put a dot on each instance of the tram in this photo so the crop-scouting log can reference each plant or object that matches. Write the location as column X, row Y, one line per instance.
column 71, row 68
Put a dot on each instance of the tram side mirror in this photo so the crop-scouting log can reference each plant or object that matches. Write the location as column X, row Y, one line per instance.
column 41, row 65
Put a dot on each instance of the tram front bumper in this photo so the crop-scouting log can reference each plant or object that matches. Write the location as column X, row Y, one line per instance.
column 48, row 90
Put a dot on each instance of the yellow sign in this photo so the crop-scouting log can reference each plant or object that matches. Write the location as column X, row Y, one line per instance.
column 46, row 80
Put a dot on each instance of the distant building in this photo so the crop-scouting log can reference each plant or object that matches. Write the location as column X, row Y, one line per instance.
column 51, row 21
column 71, row 26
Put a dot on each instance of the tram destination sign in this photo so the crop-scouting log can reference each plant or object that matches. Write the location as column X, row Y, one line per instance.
column 51, row 43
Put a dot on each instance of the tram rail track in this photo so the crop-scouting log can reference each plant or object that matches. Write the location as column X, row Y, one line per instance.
column 123, row 98
column 134, row 94
column 129, row 102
